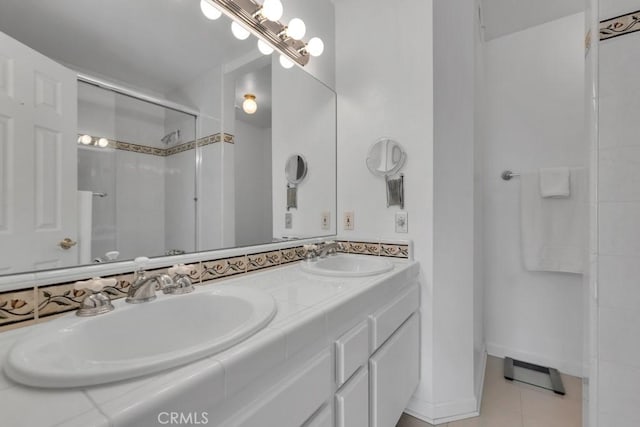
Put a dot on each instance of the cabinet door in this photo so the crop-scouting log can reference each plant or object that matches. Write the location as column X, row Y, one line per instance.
column 352, row 401
column 394, row 374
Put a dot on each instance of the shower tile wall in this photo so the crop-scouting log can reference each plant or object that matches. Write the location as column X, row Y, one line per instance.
column 618, row 251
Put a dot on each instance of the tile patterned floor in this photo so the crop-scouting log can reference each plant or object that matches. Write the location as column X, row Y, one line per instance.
column 512, row 404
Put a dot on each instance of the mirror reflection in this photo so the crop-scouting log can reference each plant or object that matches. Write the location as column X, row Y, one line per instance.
column 124, row 151
column 296, row 169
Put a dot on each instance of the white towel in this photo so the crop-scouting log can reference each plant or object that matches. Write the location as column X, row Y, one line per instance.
column 553, row 230
column 85, row 212
column 555, row 182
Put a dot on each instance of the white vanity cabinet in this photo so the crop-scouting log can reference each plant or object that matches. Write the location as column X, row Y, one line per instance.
column 377, row 364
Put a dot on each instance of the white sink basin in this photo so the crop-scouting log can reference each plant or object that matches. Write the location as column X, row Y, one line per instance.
column 342, row 265
column 138, row 339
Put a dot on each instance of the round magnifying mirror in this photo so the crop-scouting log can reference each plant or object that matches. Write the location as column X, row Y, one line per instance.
column 386, row 157
column 295, row 169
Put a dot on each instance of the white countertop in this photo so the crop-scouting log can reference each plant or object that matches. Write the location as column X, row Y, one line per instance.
column 311, row 309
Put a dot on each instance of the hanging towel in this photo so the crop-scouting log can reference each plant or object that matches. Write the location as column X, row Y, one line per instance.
column 553, row 230
column 555, row 182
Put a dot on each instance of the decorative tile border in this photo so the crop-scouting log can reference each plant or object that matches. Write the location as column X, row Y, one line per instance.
column 165, row 152
column 376, row 249
column 620, row 25
column 45, row 301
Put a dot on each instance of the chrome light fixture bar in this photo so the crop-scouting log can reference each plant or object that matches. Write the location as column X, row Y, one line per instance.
column 248, row 13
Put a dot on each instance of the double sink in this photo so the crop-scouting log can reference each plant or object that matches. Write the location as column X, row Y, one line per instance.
column 141, row 339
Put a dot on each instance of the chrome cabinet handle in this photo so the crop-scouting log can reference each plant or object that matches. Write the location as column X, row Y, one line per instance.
column 67, row 243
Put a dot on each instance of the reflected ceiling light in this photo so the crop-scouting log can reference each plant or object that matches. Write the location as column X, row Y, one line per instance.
column 209, row 10
column 103, row 142
column 85, row 139
column 315, row 47
column 239, row 31
column 286, row 62
column 296, row 29
column 272, row 10
column 249, row 105
column 264, row 48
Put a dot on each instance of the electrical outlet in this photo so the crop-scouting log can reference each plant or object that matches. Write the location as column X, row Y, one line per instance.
column 288, row 220
column 348, row 221
column 325, row 221
column 402, row 222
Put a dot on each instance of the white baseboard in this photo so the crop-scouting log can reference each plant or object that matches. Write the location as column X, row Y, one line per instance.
column 566, row 367
column 440, row 413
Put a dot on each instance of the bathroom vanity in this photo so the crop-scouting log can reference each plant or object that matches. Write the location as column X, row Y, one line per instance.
column 341, row 351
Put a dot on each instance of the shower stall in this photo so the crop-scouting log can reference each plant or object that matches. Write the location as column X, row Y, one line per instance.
column 141, row 158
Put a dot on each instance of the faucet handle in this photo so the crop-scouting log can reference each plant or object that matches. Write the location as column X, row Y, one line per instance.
column 181, row 282
column 94, row 285
column 141, row 262
column 96, row 302
column 180, row 270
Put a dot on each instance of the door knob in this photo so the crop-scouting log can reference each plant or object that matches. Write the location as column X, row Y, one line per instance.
column 67, row 243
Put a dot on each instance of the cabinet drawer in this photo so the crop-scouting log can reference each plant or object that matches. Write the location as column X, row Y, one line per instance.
column 352, row 402
column 389, row 318
column 352, row 351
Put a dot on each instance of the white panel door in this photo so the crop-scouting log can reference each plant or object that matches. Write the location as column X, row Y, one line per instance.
column 38, row 160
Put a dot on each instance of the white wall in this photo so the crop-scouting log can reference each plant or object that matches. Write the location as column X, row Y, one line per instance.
column 303, row 122
column 253, row 198
column 458, row 363
column 617, row 253
column 534, row 118
column 385, row 88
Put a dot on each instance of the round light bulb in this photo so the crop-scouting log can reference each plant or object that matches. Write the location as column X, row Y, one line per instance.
column 264, row 48
column 272, row 9
column 239, row 31
column 315, row 47
column 249, row 105
column 296, row 29
column 209, row 10
column 286, row 62
column 85, row 139
column 103, row 142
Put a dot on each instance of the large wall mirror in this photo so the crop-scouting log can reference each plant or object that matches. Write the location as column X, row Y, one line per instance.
column 131, row 128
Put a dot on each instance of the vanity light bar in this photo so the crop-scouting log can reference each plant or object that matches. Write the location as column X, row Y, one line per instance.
column 248, row 13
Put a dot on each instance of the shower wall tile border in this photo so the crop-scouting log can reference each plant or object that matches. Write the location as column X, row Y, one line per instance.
column 165, row 152
column 619, row 25
column 40, row 302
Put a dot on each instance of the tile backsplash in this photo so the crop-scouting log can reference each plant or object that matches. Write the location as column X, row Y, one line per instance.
column 31, row 304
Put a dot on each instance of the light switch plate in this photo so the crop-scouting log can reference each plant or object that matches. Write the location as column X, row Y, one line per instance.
column 325, row 220
column 402, row 222
column 348, row 221
column 288, row 220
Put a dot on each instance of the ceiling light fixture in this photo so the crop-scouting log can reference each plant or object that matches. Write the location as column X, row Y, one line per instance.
column 249, row 16
column 264, row 48
column 209, row 10
column 272, row 10
column 296, row 29
column 249, row 105
column 239, row 31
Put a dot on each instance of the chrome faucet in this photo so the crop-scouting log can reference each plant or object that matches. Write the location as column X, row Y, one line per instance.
column 143, row 288
column 329, row 248
column 322, row 250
